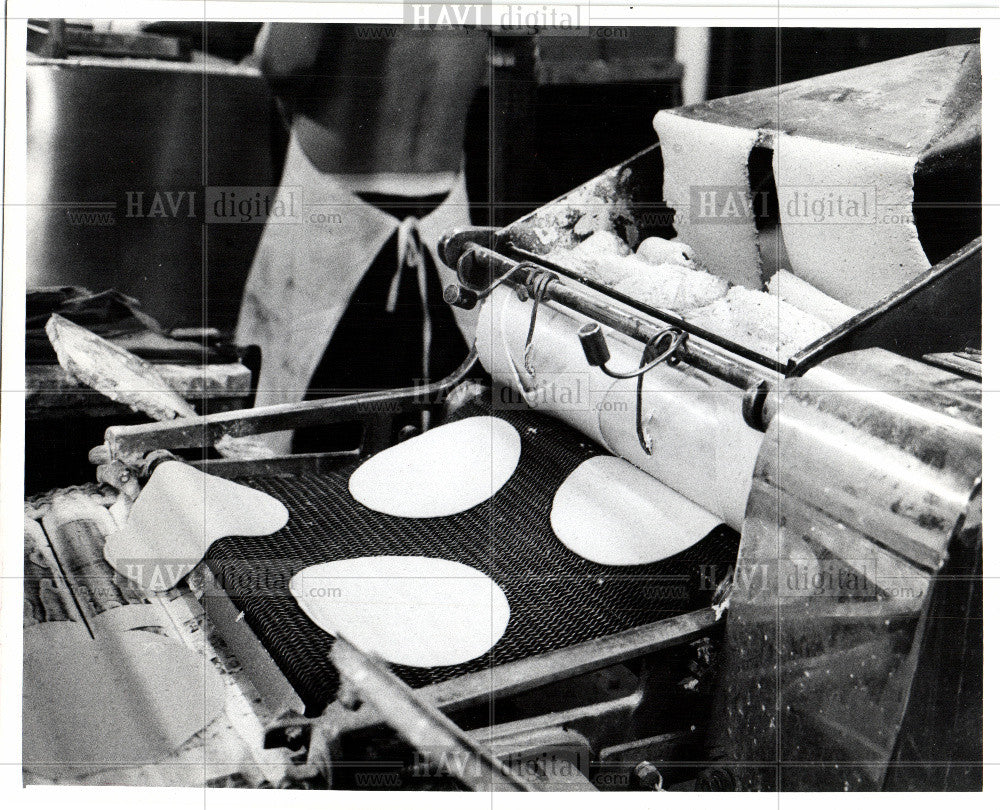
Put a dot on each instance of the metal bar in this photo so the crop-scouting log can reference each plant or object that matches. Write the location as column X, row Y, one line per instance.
column 843, row 338
column 517, row 677
column 528, row 673
column 416, row 719
column 710, row 339
column 696, row 353
column 296, row 464
column 129, row 441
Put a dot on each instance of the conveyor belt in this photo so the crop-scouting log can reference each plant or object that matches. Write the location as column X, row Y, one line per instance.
column 556, row 598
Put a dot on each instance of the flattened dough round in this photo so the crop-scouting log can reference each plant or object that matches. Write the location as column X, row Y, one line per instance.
column 612, row 513
column 416, row 611
column 441, row 472
column 120, row 700
column 179, row 513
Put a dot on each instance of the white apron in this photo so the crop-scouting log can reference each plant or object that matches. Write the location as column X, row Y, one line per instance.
column 304, row 274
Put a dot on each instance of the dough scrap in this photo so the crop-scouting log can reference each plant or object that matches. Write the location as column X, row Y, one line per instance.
column 760, row 321
column 657, row 250
column 705, row 168
column 595, row 256
column 117, row 701
column 179, row 513
column 609, row 512
column 414, row 611
column 442, row 472
column 661, row 273
column 802, row 295
column 671, row 287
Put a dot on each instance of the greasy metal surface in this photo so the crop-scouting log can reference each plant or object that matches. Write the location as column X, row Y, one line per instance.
column 100, row 132
column 49, row 390
column 866, row 473
column 904, row 438
column 903, row 105
column 940, row 743
column 501, row 681
column 421, row 723
column 297, row 464
column 630, row 195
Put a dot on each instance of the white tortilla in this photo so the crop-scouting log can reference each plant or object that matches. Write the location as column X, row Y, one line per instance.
column 612, row 513
column 415, row 611
column 120, row 700
column 179, row 513
column 444, row 471
column 857, row 259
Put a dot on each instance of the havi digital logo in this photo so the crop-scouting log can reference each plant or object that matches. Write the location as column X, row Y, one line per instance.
column 501, row 17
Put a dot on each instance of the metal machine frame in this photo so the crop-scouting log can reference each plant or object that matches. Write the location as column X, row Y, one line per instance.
column 909, row 322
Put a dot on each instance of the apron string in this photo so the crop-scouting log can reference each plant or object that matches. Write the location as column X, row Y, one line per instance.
column 409, row 253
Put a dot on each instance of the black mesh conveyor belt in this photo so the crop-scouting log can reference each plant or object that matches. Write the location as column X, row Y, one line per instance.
column 556, row 598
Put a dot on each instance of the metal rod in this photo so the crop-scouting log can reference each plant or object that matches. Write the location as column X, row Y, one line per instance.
column 649, row 365
column 504, row 680
column 446, row 746
column 129, row 441
column 518, row 676
column 697, row 352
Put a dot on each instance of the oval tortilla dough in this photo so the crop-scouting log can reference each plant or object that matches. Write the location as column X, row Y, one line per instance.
column 612, row 513
column 442, row 472
column 179, row 513
column 119, row 700
column 415, row 611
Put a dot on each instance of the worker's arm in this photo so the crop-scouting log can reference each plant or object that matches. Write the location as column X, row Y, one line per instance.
column 285, row 53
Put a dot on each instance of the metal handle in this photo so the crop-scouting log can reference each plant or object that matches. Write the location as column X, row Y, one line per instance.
column 466, row 296
column 539, row 282
column 595, row 347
